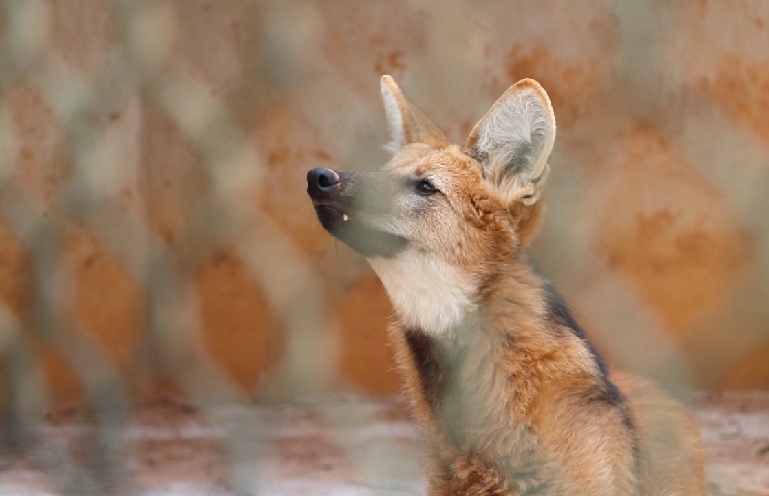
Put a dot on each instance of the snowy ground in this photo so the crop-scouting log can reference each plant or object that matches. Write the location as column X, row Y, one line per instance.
column 340, row 445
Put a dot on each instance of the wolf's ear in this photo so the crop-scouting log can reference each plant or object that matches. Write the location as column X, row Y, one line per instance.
column 407, row 123
column 513, row 141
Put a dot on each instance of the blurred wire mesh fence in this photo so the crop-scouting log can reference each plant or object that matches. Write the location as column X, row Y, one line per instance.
column 154, row 233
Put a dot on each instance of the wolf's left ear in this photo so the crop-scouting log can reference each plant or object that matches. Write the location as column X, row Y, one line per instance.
column 513, row 141
column 407, row 123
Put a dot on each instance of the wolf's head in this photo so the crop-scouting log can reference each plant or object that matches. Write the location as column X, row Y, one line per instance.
column 438, row 219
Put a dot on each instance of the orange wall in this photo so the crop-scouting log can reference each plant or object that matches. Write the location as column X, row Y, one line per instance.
column 154, row 226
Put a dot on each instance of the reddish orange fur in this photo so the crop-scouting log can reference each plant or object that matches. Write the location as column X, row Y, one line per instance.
column 553, row 379
column 511, row 399
column 581, row 447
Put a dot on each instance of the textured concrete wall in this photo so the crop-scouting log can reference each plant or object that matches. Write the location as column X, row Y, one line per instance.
column 154, row 226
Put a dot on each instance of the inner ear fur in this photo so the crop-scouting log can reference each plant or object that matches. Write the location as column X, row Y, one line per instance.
column 513, row 142
column 407, row 123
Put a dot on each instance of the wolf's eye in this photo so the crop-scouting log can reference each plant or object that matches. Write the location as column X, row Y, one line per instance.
column 425, row 187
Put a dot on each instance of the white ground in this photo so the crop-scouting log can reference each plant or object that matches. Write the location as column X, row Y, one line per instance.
column 338, row 445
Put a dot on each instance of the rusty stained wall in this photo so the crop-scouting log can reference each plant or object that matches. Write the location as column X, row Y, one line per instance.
column 119, row 121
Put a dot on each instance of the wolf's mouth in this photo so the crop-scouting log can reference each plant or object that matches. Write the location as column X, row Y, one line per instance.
column 330, row 217
column 367, row 241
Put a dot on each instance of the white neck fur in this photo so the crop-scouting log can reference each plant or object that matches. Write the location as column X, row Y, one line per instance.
column 426, row 292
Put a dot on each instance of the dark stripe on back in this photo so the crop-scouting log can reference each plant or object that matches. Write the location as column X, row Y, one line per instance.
column 609, row 393
column 426, row 356
column 559, row 312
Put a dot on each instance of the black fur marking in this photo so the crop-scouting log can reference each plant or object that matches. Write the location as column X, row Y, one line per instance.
column 426, row 356
column 609, row 393
column 559, row 312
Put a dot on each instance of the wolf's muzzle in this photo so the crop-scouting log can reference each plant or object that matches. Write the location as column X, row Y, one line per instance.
column 323, row 184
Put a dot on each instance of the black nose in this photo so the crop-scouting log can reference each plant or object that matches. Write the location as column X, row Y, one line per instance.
column 322, row 183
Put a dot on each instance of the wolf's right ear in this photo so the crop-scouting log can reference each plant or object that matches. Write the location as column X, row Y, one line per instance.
column 513, row 142
column 407, row 123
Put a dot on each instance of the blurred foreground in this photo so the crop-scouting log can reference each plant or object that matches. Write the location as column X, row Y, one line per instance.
column 155, row 232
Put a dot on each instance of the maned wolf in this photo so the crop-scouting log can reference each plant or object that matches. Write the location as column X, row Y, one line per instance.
column 511, row 396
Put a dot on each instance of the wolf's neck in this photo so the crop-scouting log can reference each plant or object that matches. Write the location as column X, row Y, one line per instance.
column 464, row 372
column 464, row 379
column 435, row 296
column 426, row 293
